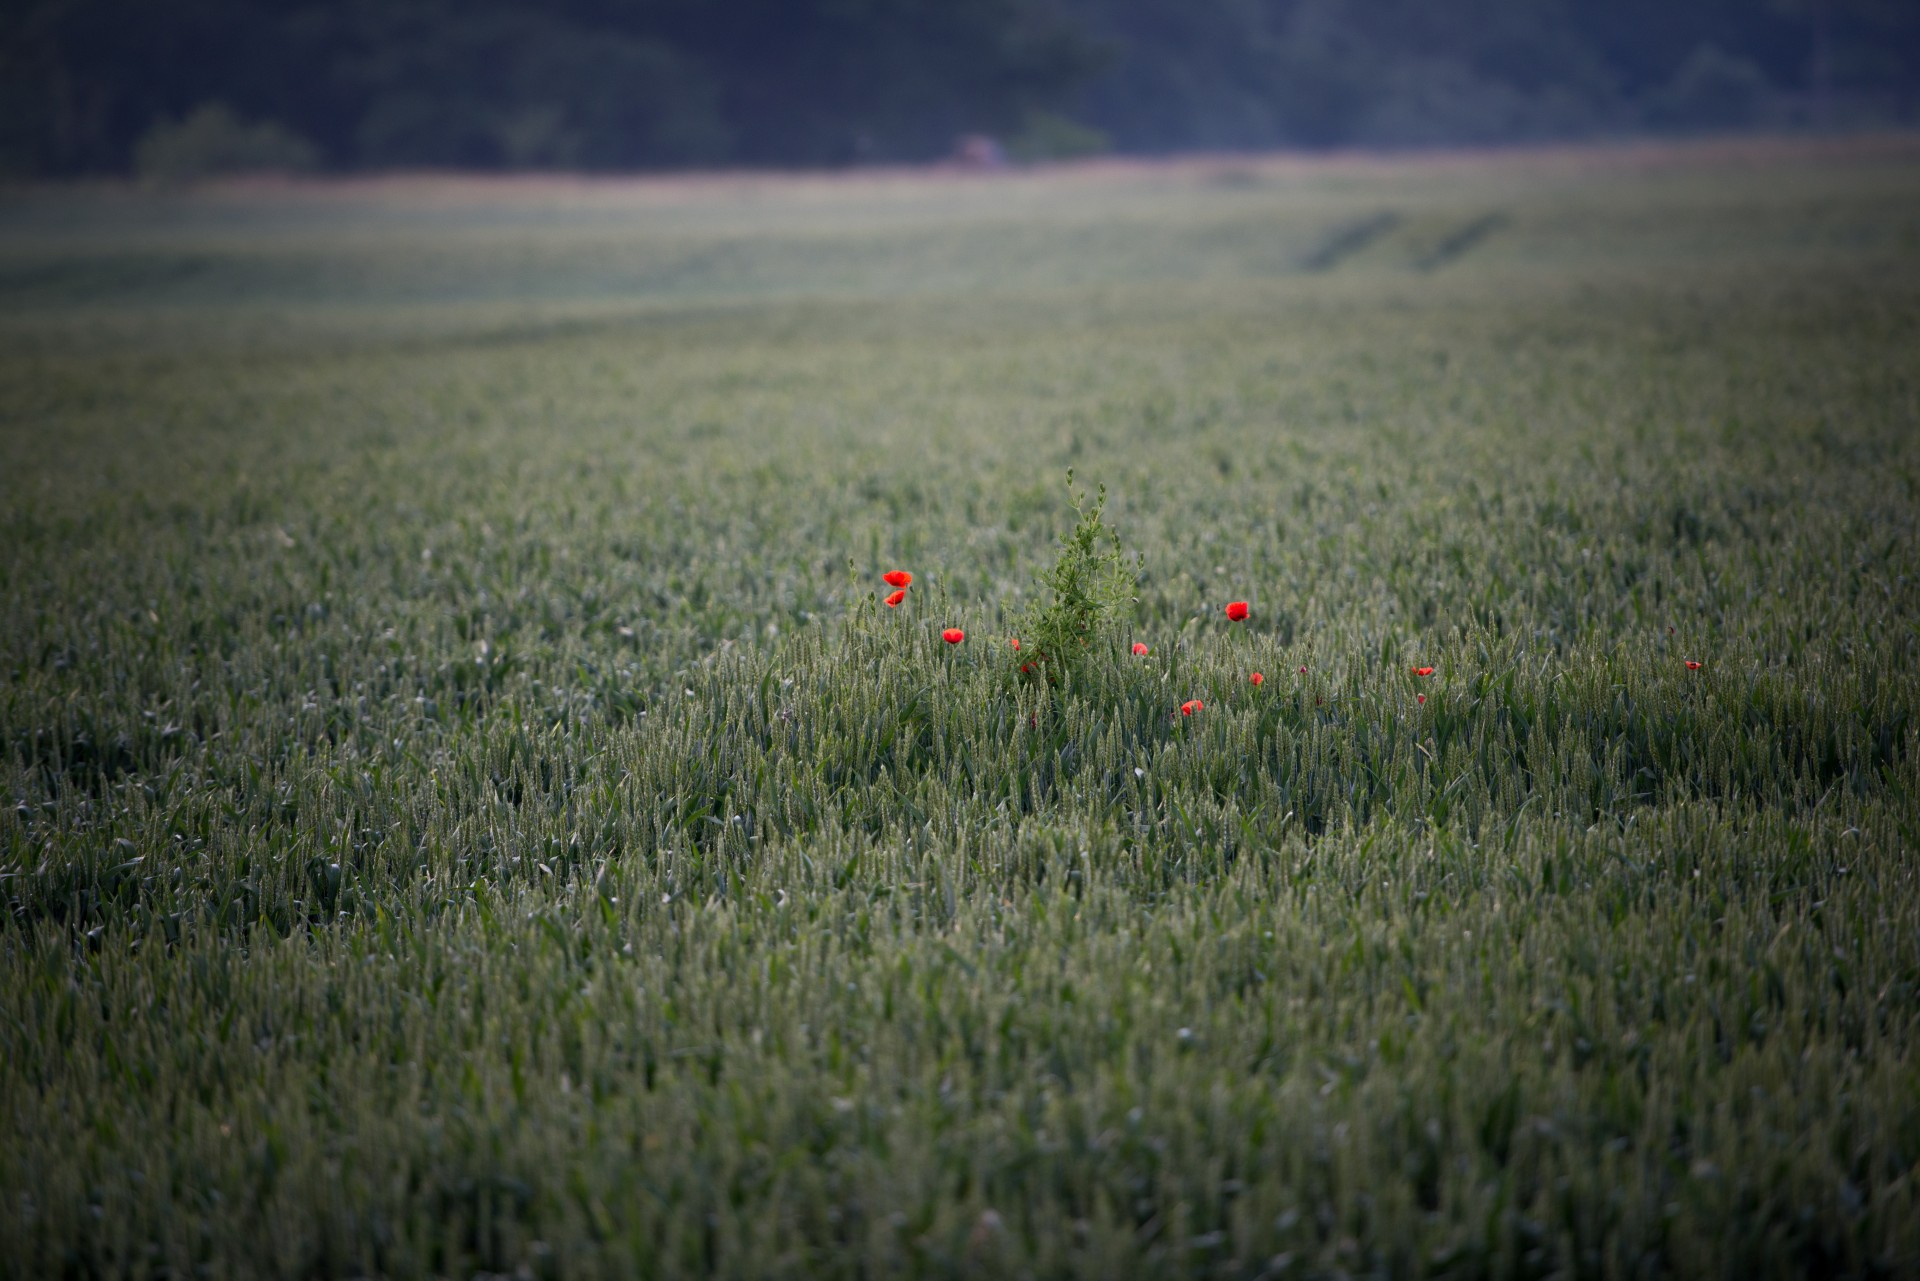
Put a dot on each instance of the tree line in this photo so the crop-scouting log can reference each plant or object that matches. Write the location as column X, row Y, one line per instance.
column 106, row 86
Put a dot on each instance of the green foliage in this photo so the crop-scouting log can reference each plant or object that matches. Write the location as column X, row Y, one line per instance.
column 1090, row 586
column 213, row 141
column 1047, row 135
column 1711, row 90
column 584, row 84
column 455, row 817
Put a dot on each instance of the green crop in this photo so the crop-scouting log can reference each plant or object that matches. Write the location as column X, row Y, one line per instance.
column 458, row 815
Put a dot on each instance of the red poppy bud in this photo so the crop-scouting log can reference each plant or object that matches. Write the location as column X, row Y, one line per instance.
column 1692, row 666
column 897, row 578
column 1303, row 671
column 1140, row 648
column 953, row 636
column 1420, row 697
column 1236, row 610
column 1191, row 706
column 894, row 598
column 1423, row 671
column 1257, row 678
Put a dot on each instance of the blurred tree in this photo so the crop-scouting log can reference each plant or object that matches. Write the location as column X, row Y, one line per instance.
column 622, row 84
column 435, row 83
column 829, row 81
column 1712, row 89
column 212, row 141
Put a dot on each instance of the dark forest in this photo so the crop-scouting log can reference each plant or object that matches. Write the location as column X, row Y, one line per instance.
column 112, row 86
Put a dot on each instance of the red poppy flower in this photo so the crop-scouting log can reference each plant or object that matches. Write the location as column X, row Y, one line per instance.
column 1423, row 671
column 897, row 578
column 1303, row 671
column 1420, row 698
column 1191, row 706
column 1692, row 666
column 953, row 636
column 1140, row 649
column 1026, row 667
column 894, row 598
column 1257, row 678
column 1236, row 610
column 1014, row 641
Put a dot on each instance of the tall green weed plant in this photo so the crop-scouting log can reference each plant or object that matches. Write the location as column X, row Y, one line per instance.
column 1092, row 588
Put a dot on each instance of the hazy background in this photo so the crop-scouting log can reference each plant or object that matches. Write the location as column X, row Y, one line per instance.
column 204, row 86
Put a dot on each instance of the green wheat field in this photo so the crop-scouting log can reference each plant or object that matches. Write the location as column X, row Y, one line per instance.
column 467, row 809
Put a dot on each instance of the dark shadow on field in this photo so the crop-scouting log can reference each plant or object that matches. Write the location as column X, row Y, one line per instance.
column 1348, row 239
